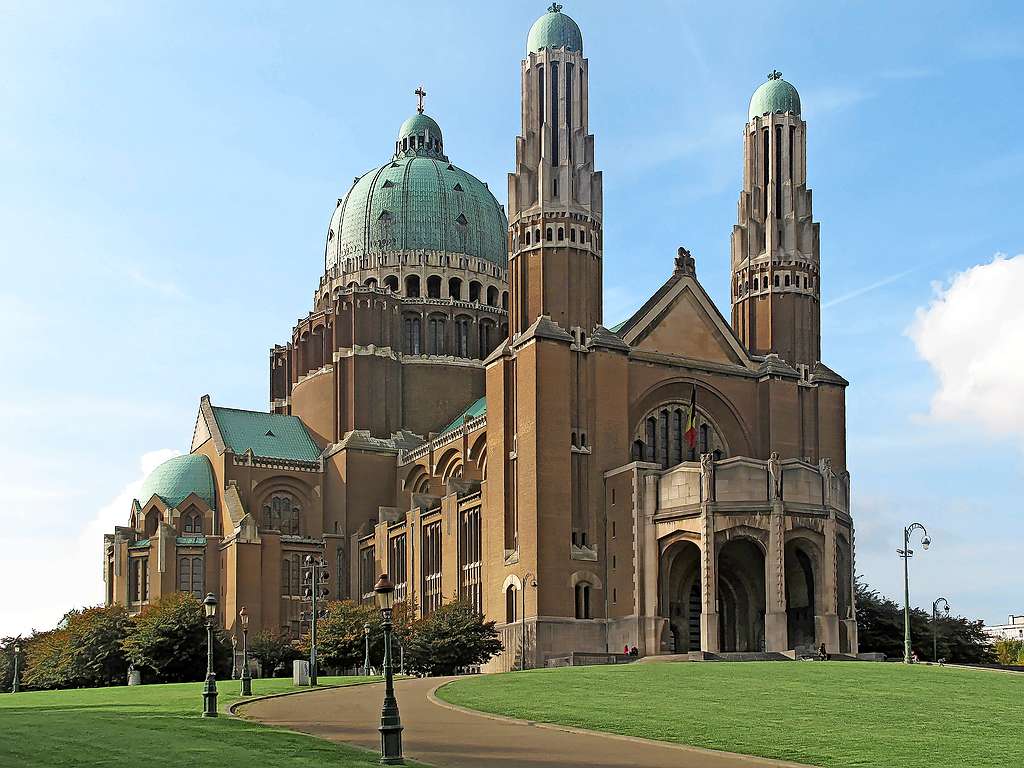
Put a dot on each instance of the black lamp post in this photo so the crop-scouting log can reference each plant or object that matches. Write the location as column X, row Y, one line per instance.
column 366, row 657
column 243, row 618
column 935, row 631
column 906, row 553
column 390, row 721
column 16, row 683
column 210, row 689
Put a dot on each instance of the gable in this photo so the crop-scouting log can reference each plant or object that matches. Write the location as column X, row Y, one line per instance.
column 683, row 322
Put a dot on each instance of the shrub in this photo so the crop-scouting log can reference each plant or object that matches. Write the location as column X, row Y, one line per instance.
column 1009, row 651
column 451, row 638
column 84, row 651
column 167, row 641
column 271, row 650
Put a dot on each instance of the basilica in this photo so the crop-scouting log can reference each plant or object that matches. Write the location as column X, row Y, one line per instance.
column 454, row 411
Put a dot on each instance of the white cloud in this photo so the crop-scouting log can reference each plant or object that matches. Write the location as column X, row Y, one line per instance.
column 66, row 570
column 969, row 335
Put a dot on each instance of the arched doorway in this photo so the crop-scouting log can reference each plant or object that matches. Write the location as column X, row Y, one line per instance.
column 741, row 596
column 681, row 596
column 800, row 596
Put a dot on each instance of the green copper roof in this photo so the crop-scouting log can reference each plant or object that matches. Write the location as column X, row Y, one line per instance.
column 419, row 124
column 270, row 435
column 176, row 478
column 554, row 30
column 776, row 95
column 478, row 408
column 417, row 201
column 618, row 326
column 190, row 541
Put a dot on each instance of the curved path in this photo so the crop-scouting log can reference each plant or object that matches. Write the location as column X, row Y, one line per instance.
column 442, row 735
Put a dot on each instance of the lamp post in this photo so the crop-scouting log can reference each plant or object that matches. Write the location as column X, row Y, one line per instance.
column 16, row 683
column 366, row 643
column 906, row 553
column 210, row 689
column 528, row 581
column 234, row 657
column 243, row 617
column 935, row 618
column 316, row 576
column 390, row 721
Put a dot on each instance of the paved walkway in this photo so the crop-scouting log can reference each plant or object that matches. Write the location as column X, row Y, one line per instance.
column 440, row 735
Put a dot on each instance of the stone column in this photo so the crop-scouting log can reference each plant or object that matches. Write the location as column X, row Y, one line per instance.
column 776, row 637
column 709, row 582
column 647, row 542
column 827, row 623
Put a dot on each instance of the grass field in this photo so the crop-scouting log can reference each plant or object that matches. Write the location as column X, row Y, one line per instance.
column 836, row 714
column 157, row 725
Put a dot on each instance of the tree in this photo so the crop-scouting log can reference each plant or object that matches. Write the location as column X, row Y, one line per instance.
column 880, row 630
column 7, row 662
column 340, row 634
column 1009, row 651
column 168, row 639
column 271, row 650
column 451, row 638
column 84, row 650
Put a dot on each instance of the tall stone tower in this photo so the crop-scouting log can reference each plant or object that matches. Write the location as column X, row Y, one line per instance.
column 554, row 195
column 776, row 285
column 547, row 458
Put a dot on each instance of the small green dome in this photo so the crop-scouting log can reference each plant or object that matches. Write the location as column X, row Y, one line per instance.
column 776, row 95
column 177, row 478
column 554, row 30
column 418, row 125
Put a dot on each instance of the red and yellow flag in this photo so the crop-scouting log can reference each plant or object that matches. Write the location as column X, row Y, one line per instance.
column 691, row 421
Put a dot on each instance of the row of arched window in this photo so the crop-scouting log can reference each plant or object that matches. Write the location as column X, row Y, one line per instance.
column 663, row 438
column 780, row 280
column 581, row 596
column 437, row 341
column 189, row 524
column 282, row 513
column 557, row 234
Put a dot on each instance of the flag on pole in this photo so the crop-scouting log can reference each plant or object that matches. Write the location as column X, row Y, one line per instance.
column 691, row 421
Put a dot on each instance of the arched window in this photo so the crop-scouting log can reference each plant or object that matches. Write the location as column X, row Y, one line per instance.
column 492, row 296
column 527, row 237
column 572, row 235
column 561, row 234
column 776, row 281
column 485, row 339
column 510, row 604
column 391, row 283
column 583, row 601
column 462, row 337
column 370, row 282
column 435, row 339
column 412, row 336
column 547, row 234
column 291, row 584
column 152, row 522
column 192, row 523
column 455, row 288
column 474, row 291
column 787, row 280
column 191, row 575
column 281, row 513
column 536, row 235
column 434, row 287
column 412, row 286
column 504, row 300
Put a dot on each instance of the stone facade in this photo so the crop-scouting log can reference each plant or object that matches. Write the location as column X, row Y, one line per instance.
column 676, row 483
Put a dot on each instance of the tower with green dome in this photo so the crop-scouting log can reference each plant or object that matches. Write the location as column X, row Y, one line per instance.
column 776, row 286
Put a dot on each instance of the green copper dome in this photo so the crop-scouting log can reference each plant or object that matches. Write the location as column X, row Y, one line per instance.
column 418, row 201
column 776, row 95
column 177, row 478
column 419, row 125
column 554, row 30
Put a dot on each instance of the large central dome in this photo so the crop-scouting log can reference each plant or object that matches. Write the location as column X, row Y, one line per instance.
column 418, row 201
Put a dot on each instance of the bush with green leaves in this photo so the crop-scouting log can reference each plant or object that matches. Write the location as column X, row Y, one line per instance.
column 167, row 641
column 84, row 651
column 1009, row 651
column 451, row 638
column 271, row 651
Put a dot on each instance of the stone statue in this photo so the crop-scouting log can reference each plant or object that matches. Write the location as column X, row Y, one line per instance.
column 707, row 477
column 828, row 477
column 775, row 470
column 685, row 262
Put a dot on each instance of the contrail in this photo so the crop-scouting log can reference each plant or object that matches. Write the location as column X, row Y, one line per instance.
column 866, row 289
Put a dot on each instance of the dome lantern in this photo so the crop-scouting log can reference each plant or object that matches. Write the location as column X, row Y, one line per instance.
column 774, row 96
column 554, row 30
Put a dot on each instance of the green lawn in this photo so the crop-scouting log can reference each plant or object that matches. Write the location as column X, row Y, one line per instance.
column 157, row 725
column 832, row 714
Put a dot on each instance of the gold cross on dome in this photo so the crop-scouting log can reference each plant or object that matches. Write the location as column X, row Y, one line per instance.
column 555, row 8
column 420, row 93
column 775, row 75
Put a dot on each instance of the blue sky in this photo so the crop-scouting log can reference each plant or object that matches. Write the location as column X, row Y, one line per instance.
column 167, row 171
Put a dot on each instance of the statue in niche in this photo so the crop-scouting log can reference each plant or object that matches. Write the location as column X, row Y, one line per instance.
column 775, row 471
column 828, row 476
column 707, row 477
